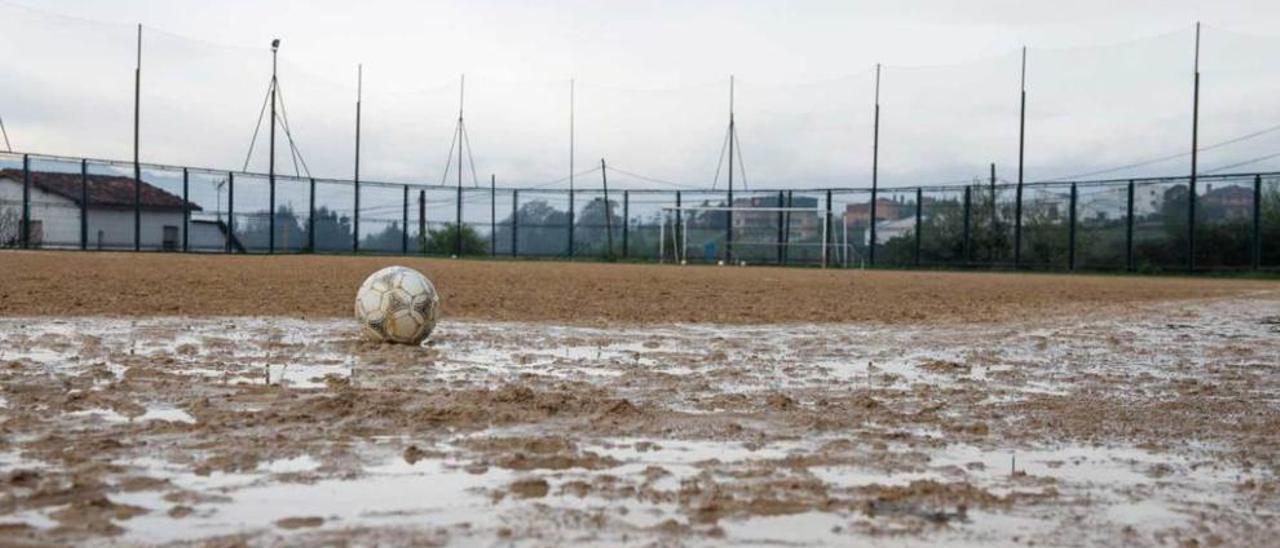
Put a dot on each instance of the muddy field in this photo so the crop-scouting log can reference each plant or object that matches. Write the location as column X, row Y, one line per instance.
column 150, row 284
column 1066, row 411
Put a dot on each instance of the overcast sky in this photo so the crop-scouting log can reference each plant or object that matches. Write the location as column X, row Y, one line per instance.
column 1109, row 84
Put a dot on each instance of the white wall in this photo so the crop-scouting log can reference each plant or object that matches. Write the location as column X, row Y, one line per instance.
column 108, row 228
column 60, row 216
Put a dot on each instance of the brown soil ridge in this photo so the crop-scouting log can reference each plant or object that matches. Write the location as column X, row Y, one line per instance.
column 44, row 283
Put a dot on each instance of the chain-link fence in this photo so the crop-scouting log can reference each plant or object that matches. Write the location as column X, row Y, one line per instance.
column 1217, row 222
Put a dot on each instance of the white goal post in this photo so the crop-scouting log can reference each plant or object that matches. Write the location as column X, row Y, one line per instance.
column 673, row 218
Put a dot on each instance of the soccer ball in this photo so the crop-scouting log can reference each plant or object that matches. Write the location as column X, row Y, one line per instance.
column 397, row 304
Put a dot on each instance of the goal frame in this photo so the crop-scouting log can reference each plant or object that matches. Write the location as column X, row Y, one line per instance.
column 681, row 248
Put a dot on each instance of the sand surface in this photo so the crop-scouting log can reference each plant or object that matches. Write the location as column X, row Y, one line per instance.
column 78, row 284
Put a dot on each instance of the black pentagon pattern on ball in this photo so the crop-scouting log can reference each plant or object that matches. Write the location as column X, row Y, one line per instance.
column 423, row 305
column 396, row 301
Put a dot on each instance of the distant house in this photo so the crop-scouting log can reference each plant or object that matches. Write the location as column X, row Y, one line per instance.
column 1231, row 202
column 886, row 209
column 803, row 225
column 55, row 208
column 889, row 229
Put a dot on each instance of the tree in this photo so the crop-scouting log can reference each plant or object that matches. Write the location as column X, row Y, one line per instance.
column 333, row 231
column 390, row 238
column 591, row 229
column 445, row 241
column 540, row 229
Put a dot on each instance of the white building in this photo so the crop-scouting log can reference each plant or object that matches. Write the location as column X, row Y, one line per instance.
column 55, row 213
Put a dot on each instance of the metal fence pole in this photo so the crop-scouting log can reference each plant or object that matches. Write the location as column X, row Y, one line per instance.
column 786, row 233
column 311, row 215
column 781, row 214
column 231, row 210
column 1017, row 228
column 571, row 216
column 515, row 224
column 493, row 215
column 1071, row 231
column 422, row 222
column 826, row 244
column 871, row 247
column 968, row 209
column 84, row 204
column 919, row 224
column 1257, row 223
column 1191, row 225
column 626, row 221
column 355, row 216
column 25, row 229
column 457, row 226
column 1128, row 232
column 404, row 224
column 186, row 210
column 678, row 229
column 271, row 212
column 137, row 205
column 728, row 224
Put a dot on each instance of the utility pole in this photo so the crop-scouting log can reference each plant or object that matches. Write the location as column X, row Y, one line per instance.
column 355, row 243
column 137, row 166
column 728, row 219
column 875, row 171
column 1195, row 137
column 271, row 159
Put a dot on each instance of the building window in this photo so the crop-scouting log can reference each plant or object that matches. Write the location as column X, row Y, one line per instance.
column 170, row 238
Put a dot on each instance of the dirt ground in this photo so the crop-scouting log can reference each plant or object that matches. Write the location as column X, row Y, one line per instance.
column 148, row 284
column 234, row 404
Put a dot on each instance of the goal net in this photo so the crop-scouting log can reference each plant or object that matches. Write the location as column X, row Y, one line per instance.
column 754, row 235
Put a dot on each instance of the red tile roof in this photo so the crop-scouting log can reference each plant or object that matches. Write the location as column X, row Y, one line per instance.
column 104, row 190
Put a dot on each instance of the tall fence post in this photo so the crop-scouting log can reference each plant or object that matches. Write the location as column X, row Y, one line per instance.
column 493, row 215
column 571, row 216
column 626, row 222
column 515, row 223
column 919, row 224
column 1257, row 223
column 137, row 205
column 1071, row 231
column 781, row 213
column 728, row 227
column 871, row 245
column 271, row 212
column 786, row 232
column 186, row 210
column 404, row 224
column 311, row 215
column 84, row 205
column 1017, row 228
column 968, row 210
column 1191, row 225
column 457, row 227
column 355, row 217
column 826, row 245
column 1128, row 231
column 25, row 229
column 422, row 222
column 231, row 210
column 677, row 232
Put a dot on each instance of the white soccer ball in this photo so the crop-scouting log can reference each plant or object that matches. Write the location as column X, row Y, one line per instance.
column 397, row 304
